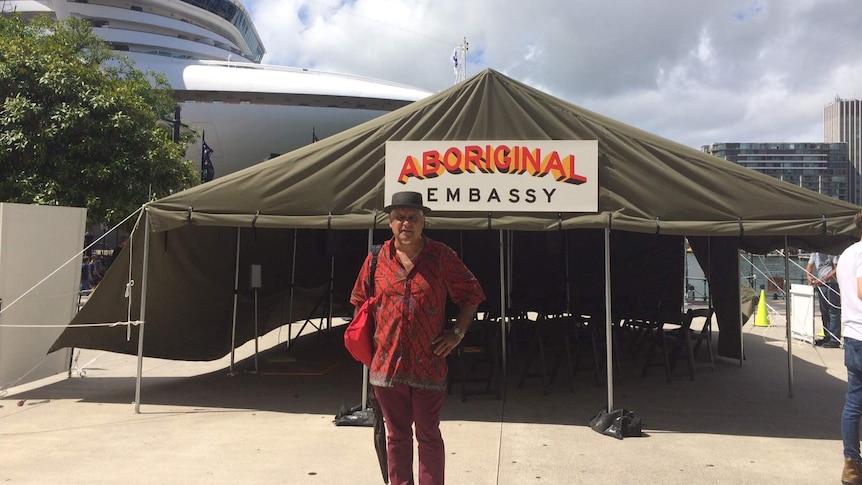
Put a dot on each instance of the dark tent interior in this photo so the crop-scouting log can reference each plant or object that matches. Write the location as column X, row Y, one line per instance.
column 647, row 275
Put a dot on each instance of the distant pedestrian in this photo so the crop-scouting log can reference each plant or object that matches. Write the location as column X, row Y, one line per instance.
column 116, row 252
column 85, row 275
column 97, row 270
column 821, row 275
column 850, row 281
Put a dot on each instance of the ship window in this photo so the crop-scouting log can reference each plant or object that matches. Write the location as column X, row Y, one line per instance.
column 136, row 8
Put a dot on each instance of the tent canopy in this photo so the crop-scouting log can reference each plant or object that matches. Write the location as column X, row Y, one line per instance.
column 647, row 183
column 319, row 201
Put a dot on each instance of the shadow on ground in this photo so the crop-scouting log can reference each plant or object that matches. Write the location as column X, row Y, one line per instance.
column 317, row 376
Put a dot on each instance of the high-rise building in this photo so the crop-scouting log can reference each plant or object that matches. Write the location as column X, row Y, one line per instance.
column 842, row 122
column 821, row 167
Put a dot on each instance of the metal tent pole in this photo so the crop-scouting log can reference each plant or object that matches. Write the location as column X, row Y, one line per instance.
column 331, row 291
column 292, row 287
column 741, row 322
column 235, row 296
column 144, row 275
column 568, row 274
column 364, row 401
column 608, row 325
column 256, row 331
column 788, row 318
column 502, row 302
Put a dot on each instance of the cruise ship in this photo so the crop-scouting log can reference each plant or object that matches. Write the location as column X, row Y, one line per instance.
column 211, row 53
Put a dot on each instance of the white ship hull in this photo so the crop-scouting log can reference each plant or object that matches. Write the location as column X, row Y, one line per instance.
column 210, row 53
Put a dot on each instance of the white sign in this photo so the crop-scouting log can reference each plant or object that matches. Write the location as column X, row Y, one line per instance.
column 496, row 175
column 802, row 312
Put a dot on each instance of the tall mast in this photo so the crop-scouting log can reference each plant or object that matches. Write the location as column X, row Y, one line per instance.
column 459, row 59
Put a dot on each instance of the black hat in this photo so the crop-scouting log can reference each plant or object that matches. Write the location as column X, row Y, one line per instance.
column 408, row 200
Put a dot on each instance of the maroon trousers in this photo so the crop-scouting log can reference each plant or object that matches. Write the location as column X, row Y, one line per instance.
column 403, row 406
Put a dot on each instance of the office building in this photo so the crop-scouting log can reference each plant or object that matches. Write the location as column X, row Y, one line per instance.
column 821, row 167
column 842, row 123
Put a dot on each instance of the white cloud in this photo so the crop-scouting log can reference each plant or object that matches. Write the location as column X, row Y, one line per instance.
column 695, row 72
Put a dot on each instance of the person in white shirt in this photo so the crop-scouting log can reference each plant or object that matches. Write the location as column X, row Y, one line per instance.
column 849, row 273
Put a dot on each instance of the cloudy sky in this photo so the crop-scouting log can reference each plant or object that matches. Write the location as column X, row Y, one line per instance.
column 694, row 71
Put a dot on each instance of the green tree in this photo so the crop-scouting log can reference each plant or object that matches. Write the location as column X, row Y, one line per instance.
column 80, row 126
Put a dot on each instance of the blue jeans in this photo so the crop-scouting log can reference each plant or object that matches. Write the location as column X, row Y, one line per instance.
column 853, row 404
column 830, row 310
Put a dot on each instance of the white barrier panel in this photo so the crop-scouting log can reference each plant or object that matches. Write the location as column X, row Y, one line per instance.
column 802, row 312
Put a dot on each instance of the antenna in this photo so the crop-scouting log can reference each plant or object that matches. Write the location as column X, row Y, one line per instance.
column 459, row 59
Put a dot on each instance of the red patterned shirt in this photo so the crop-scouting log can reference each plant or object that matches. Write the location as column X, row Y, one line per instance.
column 410, row 311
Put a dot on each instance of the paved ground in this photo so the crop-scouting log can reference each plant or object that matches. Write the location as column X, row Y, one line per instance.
column 200, row 425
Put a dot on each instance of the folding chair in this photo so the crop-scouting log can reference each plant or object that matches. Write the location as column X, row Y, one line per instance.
column 704, row 335
column 672, row 342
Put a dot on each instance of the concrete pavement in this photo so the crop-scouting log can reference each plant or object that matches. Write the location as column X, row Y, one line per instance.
column 200, row 425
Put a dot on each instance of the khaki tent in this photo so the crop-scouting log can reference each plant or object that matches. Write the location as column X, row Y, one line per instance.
column 305, row 217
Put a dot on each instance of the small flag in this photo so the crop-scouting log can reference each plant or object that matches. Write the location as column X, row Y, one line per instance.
column 207, row 170
column 455, row 59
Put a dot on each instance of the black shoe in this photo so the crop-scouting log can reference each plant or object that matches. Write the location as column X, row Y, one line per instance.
column 819, row 342
column 832, row 344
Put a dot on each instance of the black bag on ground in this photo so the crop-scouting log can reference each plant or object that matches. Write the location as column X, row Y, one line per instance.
column 355, row 416
column 618, row 423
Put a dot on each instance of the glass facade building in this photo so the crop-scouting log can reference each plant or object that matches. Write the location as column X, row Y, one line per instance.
column 821, row 167
column 842, row 123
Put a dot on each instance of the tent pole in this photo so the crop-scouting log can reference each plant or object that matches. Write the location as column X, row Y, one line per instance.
column 687, row 282
column 292, row 286
column 144, row 274
column 510, row 261
column 709, row 269
column 502, row 302
column 331, row 289
column 608, row 324
column 365, row 369
column 568, row 275
column 235, row 294
column 788, row 318
column 256, row 339
column 741, row 323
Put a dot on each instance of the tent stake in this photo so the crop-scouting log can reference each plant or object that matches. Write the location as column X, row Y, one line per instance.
column 231, row 372
column 144, row 274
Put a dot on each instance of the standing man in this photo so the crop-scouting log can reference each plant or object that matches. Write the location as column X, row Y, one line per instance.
column 408, row 371
column 823, row 266
column 116, row 252
column 850, row 281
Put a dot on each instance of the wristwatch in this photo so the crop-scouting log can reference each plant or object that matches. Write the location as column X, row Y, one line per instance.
column 457, row 331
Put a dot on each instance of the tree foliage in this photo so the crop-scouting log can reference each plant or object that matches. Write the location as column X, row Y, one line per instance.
column 80, row 126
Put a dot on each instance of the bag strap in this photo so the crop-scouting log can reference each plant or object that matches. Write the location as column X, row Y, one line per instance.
column 375, row 250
